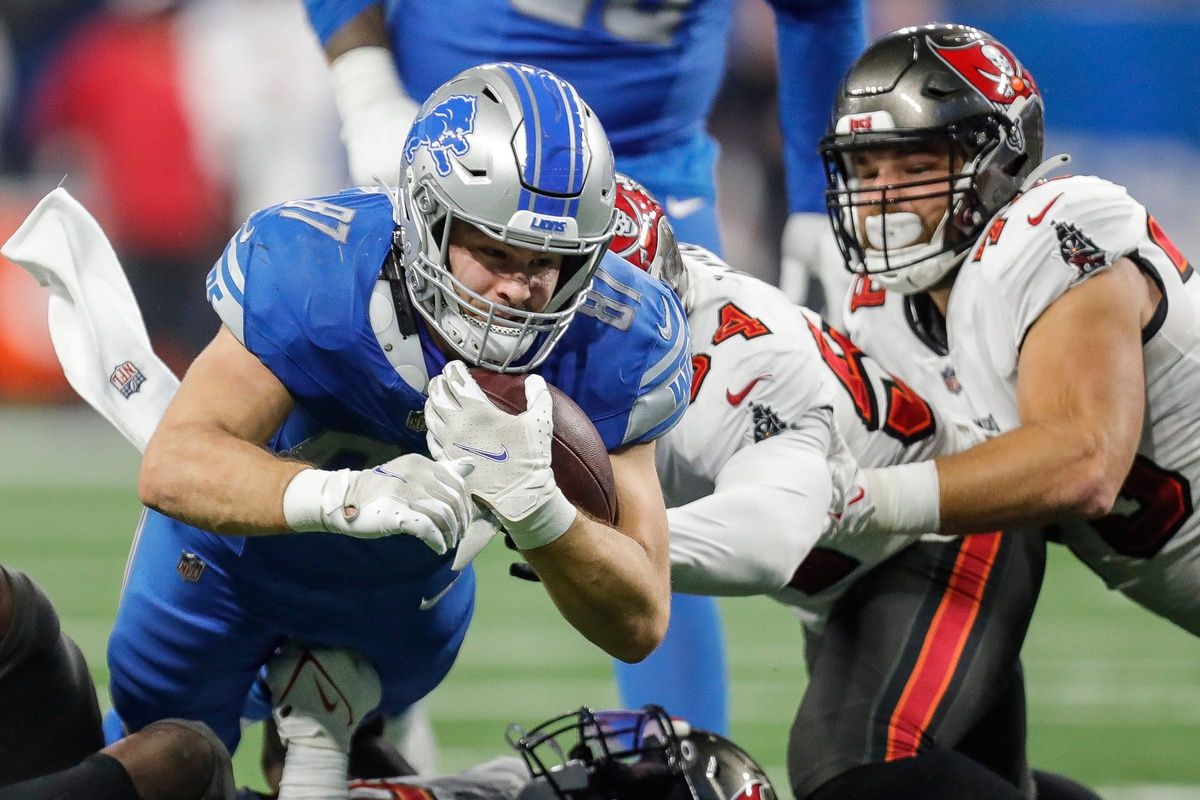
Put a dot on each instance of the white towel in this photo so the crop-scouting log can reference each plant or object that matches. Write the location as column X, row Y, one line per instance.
column 95, row 323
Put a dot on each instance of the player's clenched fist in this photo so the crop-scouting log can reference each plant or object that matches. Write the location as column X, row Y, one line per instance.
column 852, row 508
column 410, row 494
column 510, row 453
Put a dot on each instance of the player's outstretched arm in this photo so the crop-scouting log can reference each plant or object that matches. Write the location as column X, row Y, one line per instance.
column 1080, row 395
column 770, row 506
column 206, row 465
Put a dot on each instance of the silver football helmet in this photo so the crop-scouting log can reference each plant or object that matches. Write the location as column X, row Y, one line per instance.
column 950, row 86
column 514, row 151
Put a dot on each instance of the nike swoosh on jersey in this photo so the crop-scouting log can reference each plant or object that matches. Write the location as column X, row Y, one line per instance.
column 501, row 456
column 684, row 207
column 1035, row 219
column 429, row 602
column 735, row 399
column 246, row 234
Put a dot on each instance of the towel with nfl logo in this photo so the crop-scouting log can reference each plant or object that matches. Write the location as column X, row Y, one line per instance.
column 95, row 323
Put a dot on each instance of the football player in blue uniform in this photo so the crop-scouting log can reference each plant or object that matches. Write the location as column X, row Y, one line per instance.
column 288, row 486
column 651, row 70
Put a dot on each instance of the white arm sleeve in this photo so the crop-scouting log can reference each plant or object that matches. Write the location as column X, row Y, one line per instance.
column 770, row 506
column 376, row 113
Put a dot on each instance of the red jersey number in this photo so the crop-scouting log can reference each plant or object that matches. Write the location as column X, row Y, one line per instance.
column 905, row 415
column 1163, row 502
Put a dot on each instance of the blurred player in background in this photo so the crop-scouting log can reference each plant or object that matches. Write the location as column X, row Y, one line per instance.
column 1060, row 306
column 337, row 311
column 651, row 71
column 914, row 686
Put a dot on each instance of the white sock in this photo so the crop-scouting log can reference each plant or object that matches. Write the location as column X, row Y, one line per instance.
column 314, row 773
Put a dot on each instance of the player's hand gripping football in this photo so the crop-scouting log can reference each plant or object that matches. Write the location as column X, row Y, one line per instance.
column 410, row 495
column 510, row 453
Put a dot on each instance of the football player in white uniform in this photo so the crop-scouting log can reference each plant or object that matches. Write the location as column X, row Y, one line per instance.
column 1072, row 321
column 911, row 343
column 908, row 645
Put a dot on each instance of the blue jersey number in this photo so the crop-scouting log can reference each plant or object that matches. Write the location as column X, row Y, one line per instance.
column 629, row 20
column 330, row 219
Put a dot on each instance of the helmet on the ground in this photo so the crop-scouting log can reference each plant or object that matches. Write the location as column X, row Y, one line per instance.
column 949, row 88
column 514, row 151
column 634, row 755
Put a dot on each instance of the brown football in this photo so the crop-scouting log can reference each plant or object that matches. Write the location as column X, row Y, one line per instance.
column 577, row 454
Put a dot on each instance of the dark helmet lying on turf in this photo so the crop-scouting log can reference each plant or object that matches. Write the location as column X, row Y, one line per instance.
column 634, row 755
column 951, row 87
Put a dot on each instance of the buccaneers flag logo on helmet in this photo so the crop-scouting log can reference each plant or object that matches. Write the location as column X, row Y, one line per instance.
column 638, row 216
column 991, row 68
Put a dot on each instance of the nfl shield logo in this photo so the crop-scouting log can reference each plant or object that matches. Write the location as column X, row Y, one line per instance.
column 127, row 378
column 951, row 379
column 190, row 567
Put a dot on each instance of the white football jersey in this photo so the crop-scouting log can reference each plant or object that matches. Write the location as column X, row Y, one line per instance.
column 1048, row 240
column 762, row 369
column 886, row 325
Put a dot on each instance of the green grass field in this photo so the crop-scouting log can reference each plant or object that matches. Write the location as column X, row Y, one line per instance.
column 1114, row 691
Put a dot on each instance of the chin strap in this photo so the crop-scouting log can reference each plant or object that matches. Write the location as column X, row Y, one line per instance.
column 393, row 273
column 1043, row 169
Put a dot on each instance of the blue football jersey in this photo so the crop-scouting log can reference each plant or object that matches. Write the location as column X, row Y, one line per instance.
column 295, row 285
column 650, row 69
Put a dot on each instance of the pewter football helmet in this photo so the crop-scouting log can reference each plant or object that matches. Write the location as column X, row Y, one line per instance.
column 642, row 234
column 944, row 85
column 514, row 151
column 634, row 755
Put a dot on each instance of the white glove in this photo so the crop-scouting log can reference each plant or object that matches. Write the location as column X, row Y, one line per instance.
column 410, row 494
column 899, row 500
column 510, row 453
column 376, row 113
column 851, row 509
column 809, row 249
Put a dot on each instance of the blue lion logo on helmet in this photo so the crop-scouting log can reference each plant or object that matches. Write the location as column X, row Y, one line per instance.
column 444, row 131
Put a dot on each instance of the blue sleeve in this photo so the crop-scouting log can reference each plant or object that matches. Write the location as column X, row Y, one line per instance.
column 294, row 282
column 328, row 16
column 626, row 357
column 225, row 286
column 666, row 378
column 818, row 41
